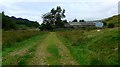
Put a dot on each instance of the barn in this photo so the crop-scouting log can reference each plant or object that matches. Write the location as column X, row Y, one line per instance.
column 83, row 24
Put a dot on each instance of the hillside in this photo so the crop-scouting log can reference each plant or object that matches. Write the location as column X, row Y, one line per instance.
column 114, row 19
column 17, row 23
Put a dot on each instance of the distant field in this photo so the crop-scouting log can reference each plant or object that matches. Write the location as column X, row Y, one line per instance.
column 92, row 47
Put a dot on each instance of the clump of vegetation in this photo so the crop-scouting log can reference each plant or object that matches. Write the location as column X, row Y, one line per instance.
column 53, row 19
column 110, row 25
column 93, row 48
column 75, row 20
column 11, row 37
column 14, row 23
column 114, row 20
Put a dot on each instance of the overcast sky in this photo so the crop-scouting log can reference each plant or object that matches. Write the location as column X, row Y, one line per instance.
column 79, row 9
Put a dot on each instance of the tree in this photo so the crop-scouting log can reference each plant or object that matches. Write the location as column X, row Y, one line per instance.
column 75, row 20
column 42, row 27
column 104, row 23
column 81, row 20
column 54, row 18
column 0, row 20
column 16, row 23
column 65, row 21
column 7, row 23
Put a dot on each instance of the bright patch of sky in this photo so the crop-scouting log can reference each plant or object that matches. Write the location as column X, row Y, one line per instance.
column 79, row 9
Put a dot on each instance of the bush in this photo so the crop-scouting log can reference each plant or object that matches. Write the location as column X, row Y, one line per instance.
column 111, row 25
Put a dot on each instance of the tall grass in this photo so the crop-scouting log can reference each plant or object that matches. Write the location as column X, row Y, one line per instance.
column 11, row 37
column 92, row 47
column 28, row 45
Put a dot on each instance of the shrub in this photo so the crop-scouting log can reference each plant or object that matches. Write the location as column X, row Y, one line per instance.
column 110, row 25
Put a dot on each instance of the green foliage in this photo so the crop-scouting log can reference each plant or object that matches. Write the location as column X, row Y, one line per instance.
column 53, row 19
column 81, row 20
column 0, row 20
column 9, row 23
column 10, row 37
column 75, row 20
column 65, row 21
column 104, row 23
column 92, row 47
column 114, row 19
column 46, row 26
column 29, row 45
column 110, row 25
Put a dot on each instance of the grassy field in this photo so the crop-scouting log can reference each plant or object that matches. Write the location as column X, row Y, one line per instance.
column 65, row 47
column 20, row 52
column 44, row 49
column 11, row 37
column 92, row 47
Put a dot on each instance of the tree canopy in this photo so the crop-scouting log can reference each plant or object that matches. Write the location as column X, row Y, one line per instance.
column 82, row 20
column 53, row 19
column 75, row 20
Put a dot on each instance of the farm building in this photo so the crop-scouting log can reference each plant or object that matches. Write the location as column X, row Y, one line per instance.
column 83, row 24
